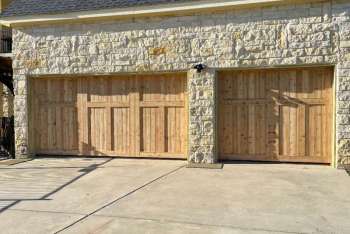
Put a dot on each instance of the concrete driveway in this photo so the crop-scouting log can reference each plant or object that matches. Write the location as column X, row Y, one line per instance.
column 159, row 196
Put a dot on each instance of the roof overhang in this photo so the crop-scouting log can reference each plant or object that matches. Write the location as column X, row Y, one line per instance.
column 132, row 12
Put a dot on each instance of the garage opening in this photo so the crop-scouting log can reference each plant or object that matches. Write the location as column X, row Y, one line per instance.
column 276, row 115
column 133, row 116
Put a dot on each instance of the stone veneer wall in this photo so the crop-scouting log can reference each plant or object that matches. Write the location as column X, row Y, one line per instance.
column 286, row 35
column 6, row 102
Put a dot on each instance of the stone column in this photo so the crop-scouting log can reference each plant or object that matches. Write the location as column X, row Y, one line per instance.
column 343, row 86
column 343, row 114
column 202, row 116
column 7, row 102
column 21, row 116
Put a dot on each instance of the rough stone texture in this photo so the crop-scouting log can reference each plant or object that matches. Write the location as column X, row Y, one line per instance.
column 305, row 34
column 7, row 105
column 202, row 130
column 6, row 102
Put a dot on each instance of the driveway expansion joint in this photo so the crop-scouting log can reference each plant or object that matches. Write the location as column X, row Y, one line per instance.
column 119, row 198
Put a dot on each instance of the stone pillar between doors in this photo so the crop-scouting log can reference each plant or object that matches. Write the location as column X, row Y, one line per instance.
column 342, row 100
column 21, row 116
column 202, row 116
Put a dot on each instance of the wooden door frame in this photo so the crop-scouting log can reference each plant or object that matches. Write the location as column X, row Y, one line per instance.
column 334, row 117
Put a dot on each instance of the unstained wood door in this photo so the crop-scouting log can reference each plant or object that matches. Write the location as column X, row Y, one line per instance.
column 136, row 116
column 276, row 115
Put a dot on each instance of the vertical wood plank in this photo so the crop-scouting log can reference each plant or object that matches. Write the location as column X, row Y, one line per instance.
column 109, row 128
column 160, row 126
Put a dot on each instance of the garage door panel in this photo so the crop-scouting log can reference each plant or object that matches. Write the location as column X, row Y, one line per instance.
column 282, row 114
column 55, row 88
column 241, row 86
column 42, row 130
column 272, row 127
column 235, row 125
column 242, row 126
column 151, row 89
column 121, row 89
column 256, row 129
column 228, row 125
column 162, row 130
column 97, row 129
column 303, row 131
column 173, row 89
column 51, row 128
column 150, row 133
column 302, row 120
column 126, row 116
column 226, row 88
column 288, row 129
column 314, row 128
column 69, row 129
column 54, row 103
column 175, row 137
column 50, row 132
column 287, row 84
column 98, row 90
column 69, row 94
column 121, row 130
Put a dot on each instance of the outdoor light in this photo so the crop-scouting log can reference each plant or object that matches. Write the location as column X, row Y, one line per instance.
column 199, row 67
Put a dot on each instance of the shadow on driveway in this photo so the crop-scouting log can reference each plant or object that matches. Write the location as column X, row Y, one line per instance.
column 30, row 184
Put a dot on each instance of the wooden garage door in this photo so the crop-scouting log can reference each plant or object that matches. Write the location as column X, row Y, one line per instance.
column 276, row 115
column 142, row 116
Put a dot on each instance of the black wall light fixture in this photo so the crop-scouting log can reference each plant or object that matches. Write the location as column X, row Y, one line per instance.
column 199, row 67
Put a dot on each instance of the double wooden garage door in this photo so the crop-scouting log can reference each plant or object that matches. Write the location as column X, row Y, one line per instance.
column 276, row 115
column 141, row 116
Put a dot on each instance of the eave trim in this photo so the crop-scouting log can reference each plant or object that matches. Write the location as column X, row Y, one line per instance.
column 135, row 11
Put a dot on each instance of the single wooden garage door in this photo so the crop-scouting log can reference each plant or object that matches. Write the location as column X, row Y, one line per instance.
column 276, row 115
column 142, row 116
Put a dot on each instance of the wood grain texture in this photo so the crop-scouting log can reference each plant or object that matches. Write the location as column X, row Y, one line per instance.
column 276, row 115
column 130, row 116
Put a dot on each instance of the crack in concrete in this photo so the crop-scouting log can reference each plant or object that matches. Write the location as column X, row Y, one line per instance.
column 48, row 211
column 119, row 198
